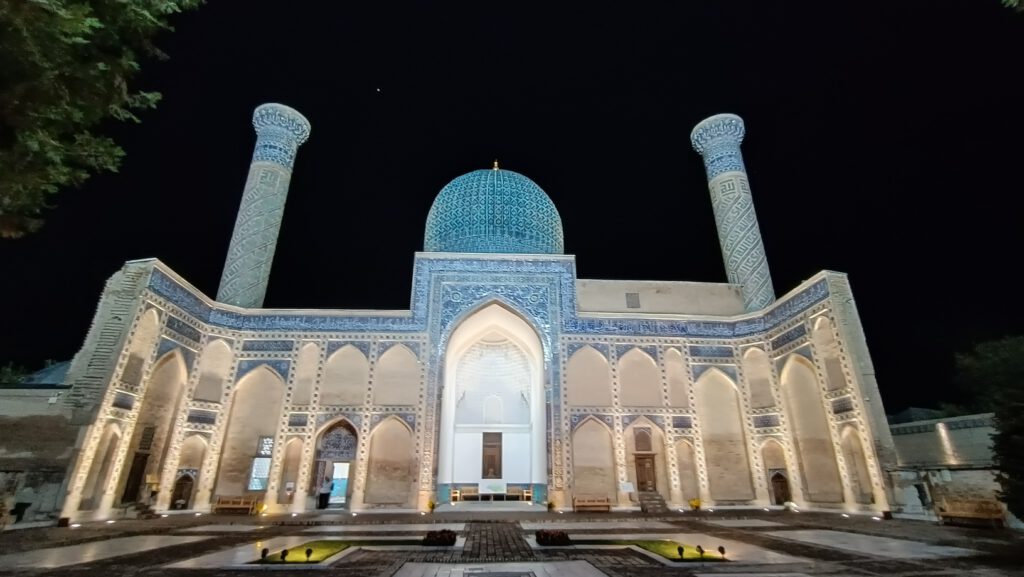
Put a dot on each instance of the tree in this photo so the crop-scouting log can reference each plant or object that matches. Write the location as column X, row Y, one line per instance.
column 12, row 374
column 65, row 66
column 995, row 371
column 1017, row 5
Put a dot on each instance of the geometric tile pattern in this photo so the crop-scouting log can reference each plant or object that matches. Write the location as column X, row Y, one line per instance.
column 493, row 211
column 279, row 132
column 718, row 139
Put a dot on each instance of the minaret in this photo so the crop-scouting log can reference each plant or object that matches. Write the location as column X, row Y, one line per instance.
column 279, row 132
column 718, row 139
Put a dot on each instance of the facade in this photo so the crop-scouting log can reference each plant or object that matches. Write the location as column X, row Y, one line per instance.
column 507, row 374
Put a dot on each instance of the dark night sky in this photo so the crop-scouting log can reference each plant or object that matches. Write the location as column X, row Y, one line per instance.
column 883, row 140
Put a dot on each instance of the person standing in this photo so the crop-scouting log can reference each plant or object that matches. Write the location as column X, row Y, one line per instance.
column 325, row 493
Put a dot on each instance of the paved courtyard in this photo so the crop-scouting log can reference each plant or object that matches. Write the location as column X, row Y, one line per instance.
column 502, row 544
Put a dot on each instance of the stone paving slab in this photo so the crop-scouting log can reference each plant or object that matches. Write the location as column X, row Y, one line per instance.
column 384, row 528
column 745, row 523
column 93, row 551
column 222, row 528
column 872, row 546
column 600, row 525
column 553, row 569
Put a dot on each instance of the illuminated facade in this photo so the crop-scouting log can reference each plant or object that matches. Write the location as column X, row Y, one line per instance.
column 507, row 375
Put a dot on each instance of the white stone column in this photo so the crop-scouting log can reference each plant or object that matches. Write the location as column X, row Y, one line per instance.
column 718, row 139
column 279, row 132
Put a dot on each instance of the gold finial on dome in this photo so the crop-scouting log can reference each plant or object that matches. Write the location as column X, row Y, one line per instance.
column 496, row 167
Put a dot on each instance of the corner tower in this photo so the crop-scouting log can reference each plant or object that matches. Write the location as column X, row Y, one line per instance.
column 279, row 132
column 717, row 139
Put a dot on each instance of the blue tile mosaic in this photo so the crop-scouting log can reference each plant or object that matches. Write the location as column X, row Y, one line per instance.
column 167, row 345
column 268, row 346
column 789, row 336
column 842, row 405
column 765, row 421
column 710, row 351
column 298, row 419
column 202, row 417
column 280, row 366
column 333, row 346
column 493, row 211
column 184, row 329
column 123, row 400
column 682, row 422
column 651, row 350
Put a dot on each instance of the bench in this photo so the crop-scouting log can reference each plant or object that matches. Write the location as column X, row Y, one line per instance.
column 248, row 505
column 971, row 509
column 591, row 503
column 520, row 493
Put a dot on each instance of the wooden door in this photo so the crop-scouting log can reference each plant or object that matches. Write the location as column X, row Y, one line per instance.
column 780, row 489
column 645, row 473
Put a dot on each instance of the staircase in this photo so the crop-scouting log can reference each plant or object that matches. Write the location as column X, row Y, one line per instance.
column 651, row 502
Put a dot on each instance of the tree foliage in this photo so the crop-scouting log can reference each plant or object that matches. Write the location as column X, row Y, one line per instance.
column 66, row 66
column 1017, row 5
column 995, row 372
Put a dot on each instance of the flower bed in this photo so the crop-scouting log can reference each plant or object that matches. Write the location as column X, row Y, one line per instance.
column 442, row 538
column 663, row 547
column 552, row 538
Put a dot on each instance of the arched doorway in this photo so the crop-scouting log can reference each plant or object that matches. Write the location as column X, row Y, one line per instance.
column 780, row 488
column 492, row 435
column 335, row 463
column 181, row 496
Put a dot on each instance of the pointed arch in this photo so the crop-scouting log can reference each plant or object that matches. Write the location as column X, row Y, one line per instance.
column 639, row 380
column 721, row 428
column 686, row 461
column 593, row 460
column 493, row 350
column 398, row 377
column 346, row 378
column 256, row 407
column 98, row 478
column 757, row 369
column 214, row 367
column 391, row 466
column 290, row 469
column 146, row 333
column 675, row 373
column 823, row 337
column 643, row 434
column 856, row 465
column 306, row 368
column 810, row 429
column 588, row 379
column 773, row 455
column 151, row 435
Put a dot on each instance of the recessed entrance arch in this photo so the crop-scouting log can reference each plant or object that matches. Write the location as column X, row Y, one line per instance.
column 492, row 434
column 335, row 463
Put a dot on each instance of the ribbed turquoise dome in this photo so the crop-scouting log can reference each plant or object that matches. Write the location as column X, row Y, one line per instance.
column 493, row 211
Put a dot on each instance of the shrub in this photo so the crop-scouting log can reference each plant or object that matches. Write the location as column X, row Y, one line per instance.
column 551, row 537
column 442, row 538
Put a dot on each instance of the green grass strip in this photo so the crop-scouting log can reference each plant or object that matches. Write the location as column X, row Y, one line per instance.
column 667, row 549
column 327, row 548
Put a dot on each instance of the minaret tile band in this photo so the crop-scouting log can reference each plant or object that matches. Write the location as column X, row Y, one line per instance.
column 718, row 139
column 279, row 132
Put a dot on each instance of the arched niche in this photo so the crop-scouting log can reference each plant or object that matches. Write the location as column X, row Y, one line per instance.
column 593, row 461
column 646, row 465
column 398, row 377
column 391, row 467
column 725, row 446
column 336, row 446
column 588, row 379
column 346, row 378
column 856, row 465
column 639, row 380
column 810, row 428
column 827, row 348
column 190, row 463
column 255, row 415
column 152, row 433
column 757, row 369
column 214, row 366
column 493, row 352
column 773, row 456
column 686, row 461
column 305, row 374
column 675, row 373
column 98, row 477
column 146, row 332
column 290, row 470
